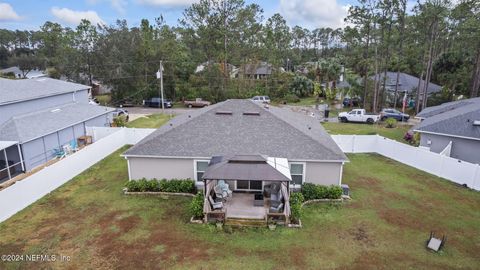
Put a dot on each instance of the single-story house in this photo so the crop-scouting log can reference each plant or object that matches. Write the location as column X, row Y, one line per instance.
column 261, row 70
column 406, row 83
column 246, row 145
column 19, row 74
column 40, row 116
column 453, row 129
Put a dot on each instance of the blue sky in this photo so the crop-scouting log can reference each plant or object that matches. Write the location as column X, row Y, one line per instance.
column 30, row 14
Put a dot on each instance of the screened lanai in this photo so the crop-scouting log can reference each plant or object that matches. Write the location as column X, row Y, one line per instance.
column 11, row 161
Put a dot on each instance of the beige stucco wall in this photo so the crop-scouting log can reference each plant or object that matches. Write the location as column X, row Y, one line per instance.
column 323, row 173
column 160, row 168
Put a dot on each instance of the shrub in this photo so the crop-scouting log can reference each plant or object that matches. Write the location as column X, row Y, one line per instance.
column 119, row 121
column 390, row 123
column 334, row 192
column 174, row 185
column 132, row 185
column 309, row 191
column 143, row 185
column 196, row 206
column 292, row 98
column 312, row 192
column 296, row 200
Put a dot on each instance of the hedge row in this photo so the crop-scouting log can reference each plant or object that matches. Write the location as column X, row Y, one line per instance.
column 164, row 185
column 312, row 192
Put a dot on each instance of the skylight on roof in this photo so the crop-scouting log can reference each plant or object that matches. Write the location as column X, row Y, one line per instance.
column 251, row 113
column 224, row 112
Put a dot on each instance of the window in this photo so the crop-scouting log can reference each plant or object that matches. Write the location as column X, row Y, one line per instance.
column 200, row 168
column 249, row 185
column 297, row 173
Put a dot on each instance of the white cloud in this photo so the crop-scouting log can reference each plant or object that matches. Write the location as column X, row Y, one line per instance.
column 313, row 13
column 119, row 5
column 75, row 17
column 7, row 13
column 168, row 3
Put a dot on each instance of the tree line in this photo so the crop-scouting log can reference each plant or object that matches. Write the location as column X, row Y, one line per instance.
column 437, row 41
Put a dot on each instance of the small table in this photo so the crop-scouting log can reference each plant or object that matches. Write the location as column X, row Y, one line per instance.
column 258, row 200
column 84, row 140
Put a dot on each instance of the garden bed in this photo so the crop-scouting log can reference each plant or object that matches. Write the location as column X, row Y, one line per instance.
column 126, row 192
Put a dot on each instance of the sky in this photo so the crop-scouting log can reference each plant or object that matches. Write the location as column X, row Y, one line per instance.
column 31, row 14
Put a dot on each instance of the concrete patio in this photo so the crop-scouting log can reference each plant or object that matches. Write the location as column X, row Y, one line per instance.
column 240, row 205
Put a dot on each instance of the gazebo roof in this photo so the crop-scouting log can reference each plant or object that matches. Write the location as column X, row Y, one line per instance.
column 248, row 167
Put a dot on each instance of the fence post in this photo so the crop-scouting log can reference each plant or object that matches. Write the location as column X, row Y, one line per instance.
column 476, row 178
column 353, row 144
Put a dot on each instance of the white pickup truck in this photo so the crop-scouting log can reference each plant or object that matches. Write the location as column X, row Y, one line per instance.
column 358, row 115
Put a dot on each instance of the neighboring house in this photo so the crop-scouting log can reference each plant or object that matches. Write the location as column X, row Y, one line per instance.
column 406, row 84
column 38, row 116
column 35, row 73
column 261, row 70
column 452, row 129
column 256, row 146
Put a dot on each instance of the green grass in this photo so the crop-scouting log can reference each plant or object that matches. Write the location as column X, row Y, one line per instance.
column 104, row 99
column 385, row 226
column 396, row 133
column 149, row 121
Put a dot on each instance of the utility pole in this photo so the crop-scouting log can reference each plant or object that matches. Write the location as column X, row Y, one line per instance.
column 160, row 76
column 225, row 65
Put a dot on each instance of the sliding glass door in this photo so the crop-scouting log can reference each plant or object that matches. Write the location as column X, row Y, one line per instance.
column 249, row 185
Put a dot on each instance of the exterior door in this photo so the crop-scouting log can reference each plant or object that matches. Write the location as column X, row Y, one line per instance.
column 250, row 185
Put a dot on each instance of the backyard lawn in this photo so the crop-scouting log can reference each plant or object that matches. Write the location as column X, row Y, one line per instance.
column 385, row 226
column 396, row 133
column 149, row 121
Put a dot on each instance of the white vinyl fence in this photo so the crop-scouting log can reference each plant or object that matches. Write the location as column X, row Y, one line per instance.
column 27, row 191
column 460, row 172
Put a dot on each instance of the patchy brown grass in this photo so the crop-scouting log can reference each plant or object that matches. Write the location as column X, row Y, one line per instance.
column 385, row 226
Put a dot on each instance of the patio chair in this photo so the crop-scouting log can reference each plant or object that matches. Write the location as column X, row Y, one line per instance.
column 215, row 205
column 74, row 145
column 59, row 153
column 219, row 193
column 277, row 209
column 225, row 187
column 67, row 149
column 276, row 198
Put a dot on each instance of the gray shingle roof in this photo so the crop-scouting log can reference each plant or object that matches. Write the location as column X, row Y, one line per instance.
column 275, row 132
column 445, row 107
column 406, row 82
column 455, row 122
column 251, row 167
column 29, row 126
column 26, row 89
column 257, row 69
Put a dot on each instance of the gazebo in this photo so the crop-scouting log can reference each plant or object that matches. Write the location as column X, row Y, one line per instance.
column 260, row 186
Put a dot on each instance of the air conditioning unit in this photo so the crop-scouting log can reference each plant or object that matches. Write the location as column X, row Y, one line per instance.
column 346, row 190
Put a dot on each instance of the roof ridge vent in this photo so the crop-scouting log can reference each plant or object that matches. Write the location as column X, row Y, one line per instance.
column 252, row 113
column 224, row 112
